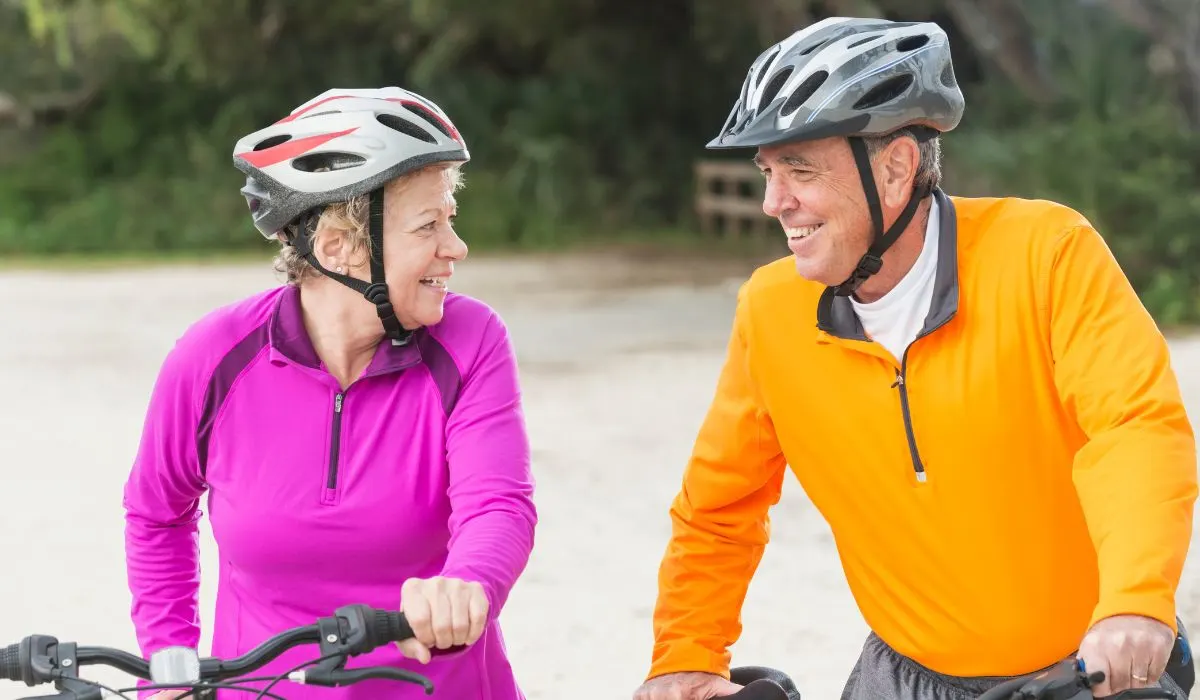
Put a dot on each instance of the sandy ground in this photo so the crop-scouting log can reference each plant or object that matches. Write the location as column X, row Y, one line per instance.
column 618, row 362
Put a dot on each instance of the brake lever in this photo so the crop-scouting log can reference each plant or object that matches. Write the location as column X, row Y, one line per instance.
column 1064, row 681
column 340, row 677
column 58, row 662
column 1067, row 680
column 337, row 643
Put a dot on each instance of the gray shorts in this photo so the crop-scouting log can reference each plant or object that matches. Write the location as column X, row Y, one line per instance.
column 883, row 674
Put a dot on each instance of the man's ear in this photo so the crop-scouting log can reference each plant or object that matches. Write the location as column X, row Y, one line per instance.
column 898, row 162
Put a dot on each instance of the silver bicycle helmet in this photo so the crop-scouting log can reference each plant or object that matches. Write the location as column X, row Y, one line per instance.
column 850, row 77
column 340, row 144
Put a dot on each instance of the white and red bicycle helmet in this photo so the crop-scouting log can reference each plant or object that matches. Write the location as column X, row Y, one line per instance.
column 340, row 144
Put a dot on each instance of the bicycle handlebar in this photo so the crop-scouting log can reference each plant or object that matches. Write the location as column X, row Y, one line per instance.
column 358, row 629
column 1066, row 681
column 352, row 630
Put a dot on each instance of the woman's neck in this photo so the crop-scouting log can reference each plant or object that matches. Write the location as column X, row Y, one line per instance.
column 343, row 327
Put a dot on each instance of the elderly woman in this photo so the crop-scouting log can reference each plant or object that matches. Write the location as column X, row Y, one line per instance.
column 353, row 451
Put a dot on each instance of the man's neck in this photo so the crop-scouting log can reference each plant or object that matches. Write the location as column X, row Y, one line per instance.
column 899, row 258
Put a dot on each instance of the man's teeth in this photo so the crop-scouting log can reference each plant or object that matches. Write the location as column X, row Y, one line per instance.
column 802, row 231
column 434, row 281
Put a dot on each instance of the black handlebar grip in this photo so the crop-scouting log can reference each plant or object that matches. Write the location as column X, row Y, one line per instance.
column 762, row 683
column 761, row 689
column 390, row 627
column 10, row 663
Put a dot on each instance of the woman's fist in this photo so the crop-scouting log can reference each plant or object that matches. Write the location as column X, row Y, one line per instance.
column 443, row 613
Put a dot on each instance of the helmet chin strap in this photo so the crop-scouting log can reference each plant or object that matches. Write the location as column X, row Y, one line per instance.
column 872, row 261
column 376, row 291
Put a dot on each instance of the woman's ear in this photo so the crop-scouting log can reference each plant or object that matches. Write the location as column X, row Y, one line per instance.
column 330, row 245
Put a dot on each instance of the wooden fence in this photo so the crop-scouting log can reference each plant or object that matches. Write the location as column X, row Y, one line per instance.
column 729, row 199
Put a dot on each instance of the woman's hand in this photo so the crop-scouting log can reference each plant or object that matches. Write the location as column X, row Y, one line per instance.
column 443, row 612
column 168, row 694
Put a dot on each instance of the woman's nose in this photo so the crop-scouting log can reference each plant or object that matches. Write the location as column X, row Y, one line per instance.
column 453, row 247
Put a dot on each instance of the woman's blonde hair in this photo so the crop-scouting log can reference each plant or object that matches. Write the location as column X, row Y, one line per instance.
column 351, row 217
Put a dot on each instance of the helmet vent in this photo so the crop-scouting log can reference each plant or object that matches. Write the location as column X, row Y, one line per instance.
column 730, row 122
column 885, row 92
column 947, row 77
column 749, row 117
column 865, row 39
column 320, row 162
column 405, row 127
column 912, row 43
column 272, row 142
column 429, row 117
column 773, row 87
column 803, row 91
column 814, row 47
column 766, row 62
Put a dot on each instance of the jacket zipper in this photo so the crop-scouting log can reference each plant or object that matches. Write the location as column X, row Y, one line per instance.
column 918, row 466
column 335, row 435
column 335, row 441
column 901, row 383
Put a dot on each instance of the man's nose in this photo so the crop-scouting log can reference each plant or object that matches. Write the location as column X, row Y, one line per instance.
column 776, row 199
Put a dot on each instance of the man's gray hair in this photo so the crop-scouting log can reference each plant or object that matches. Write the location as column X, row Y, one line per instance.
column 929, row 168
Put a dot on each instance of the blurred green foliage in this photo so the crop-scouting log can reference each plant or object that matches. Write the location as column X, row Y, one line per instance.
column 582, row 117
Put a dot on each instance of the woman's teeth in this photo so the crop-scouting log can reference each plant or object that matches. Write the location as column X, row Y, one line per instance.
column 439, row 282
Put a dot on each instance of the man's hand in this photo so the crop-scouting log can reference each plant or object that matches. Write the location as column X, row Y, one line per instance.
column 1131, row 650
column 688, row 685
column 443, row 612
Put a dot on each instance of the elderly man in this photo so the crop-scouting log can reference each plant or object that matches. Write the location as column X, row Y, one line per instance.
column 968, row 389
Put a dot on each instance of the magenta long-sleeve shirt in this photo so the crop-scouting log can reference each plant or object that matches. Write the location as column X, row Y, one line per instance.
column 320, row 497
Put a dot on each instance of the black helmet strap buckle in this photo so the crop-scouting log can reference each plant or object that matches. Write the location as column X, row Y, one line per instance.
column 872, row 261
column 376, row 291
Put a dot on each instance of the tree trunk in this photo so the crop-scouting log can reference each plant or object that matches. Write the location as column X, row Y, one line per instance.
column 1001, row 32
column 1175, row 25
